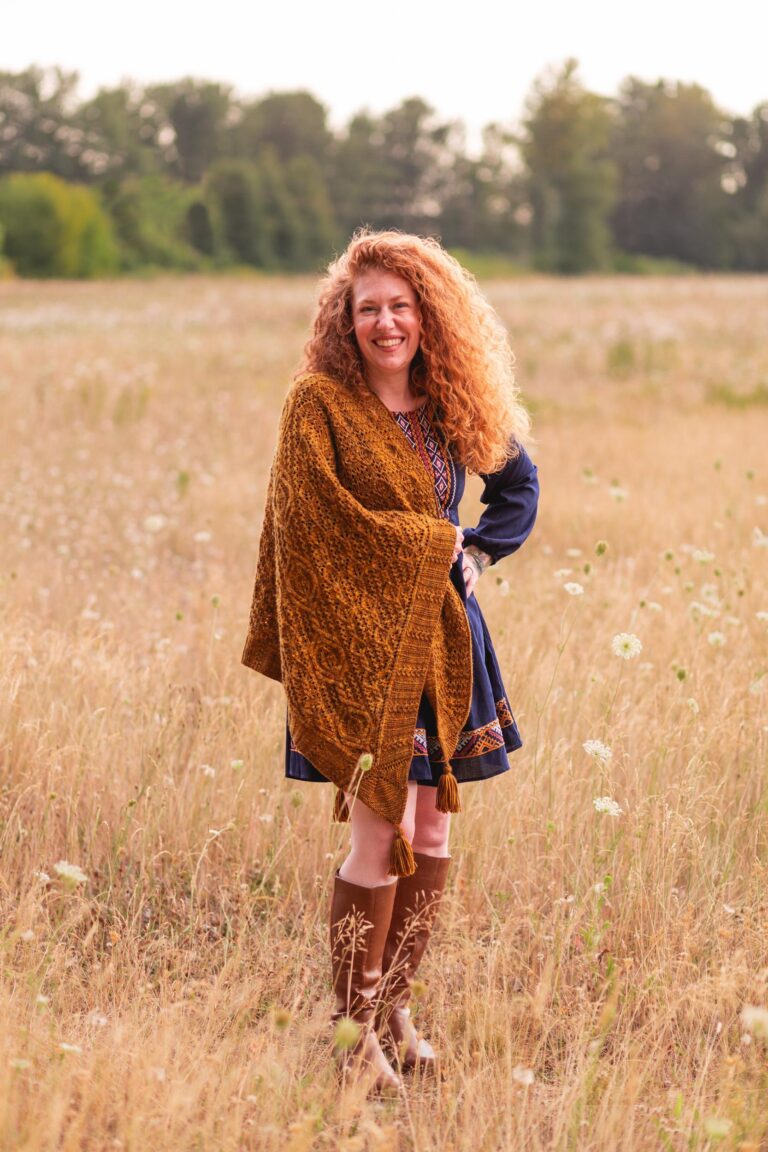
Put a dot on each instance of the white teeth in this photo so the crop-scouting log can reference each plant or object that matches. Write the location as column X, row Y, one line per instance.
column 388, row 343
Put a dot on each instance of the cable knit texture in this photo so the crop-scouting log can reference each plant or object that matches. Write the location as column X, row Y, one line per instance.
column 353, row 609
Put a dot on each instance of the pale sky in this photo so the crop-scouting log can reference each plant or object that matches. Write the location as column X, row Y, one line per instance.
column 473, row 61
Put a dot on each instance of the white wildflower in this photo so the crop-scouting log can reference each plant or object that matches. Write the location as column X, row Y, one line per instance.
column 42, row 999
column 759, row 539
column 524, row 1076
column 608, row 805
column 573, row 589
column 597, row 749
column 19, row 1064
column 26, row 935
column 696, row 609
column 702, row 555
column 154, row 523
column 755, row 1020
column 618, row 494
column 626, row 645
column 236, row 765
column 202, row 537
column 207, row 770
column 64, row 1047
column 716, row 639
column 573, row 553
column 653, row 606
column 562, row 573
column 762, row 617
column 693, row 705
column 43, row 877
column 70, row 872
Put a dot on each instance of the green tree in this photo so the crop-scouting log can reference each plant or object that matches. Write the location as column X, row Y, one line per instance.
column 571, row 177
column 234, row 196
column 485, row 205
column 314, row 219
column 39, row 126
column 747, row 182
column 55, row 229
column 393, row 171
column 127, row 128
column 150, row 219
column 197, row 114
column 290, row 123
column 672, row 152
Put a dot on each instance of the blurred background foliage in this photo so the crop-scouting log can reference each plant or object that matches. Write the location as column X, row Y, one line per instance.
column 187, row 175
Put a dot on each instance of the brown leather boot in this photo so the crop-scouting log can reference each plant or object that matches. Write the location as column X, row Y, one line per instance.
column 360, row 919
column 413, row 916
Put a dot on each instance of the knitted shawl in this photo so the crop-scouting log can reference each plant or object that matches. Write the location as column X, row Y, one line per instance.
column 353, row 609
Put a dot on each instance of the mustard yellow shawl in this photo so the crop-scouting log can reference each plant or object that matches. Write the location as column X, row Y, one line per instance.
column 353, row 609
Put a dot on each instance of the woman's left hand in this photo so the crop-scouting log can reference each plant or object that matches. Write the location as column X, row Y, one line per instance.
column 473, row 564
column 471, row 574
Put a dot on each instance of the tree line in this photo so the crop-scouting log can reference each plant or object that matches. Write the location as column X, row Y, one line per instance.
column 188, row 175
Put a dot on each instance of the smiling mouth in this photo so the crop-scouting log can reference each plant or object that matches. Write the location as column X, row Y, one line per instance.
column 389, row 343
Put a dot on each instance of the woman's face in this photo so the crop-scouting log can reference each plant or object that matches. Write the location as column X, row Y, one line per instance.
column 386, row 317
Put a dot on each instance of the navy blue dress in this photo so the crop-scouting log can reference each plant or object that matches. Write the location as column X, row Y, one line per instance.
column 490, row 732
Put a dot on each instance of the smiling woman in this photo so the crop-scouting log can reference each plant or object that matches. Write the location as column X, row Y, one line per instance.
column 393, row 687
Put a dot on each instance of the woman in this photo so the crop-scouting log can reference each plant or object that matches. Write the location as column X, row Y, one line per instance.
column 363, row 603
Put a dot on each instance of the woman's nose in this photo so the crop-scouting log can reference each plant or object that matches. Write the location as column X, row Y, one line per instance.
column 385, row 318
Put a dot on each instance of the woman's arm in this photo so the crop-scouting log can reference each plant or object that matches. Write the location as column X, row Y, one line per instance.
column 511, row 496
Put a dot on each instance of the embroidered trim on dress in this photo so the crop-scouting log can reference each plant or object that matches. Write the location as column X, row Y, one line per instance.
column 472, row 742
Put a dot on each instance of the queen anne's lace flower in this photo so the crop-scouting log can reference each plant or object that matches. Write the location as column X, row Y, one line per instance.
column 597, row 749
column 573, row 589
column 524, row 1076
column 70, row 872
column 626, row 645
column 608, row 805
column 755, row 1020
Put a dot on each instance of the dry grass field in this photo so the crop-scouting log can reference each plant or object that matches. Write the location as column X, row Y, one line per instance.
column 599, row 978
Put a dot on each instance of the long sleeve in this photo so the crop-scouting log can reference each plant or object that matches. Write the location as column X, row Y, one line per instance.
column 511, row 496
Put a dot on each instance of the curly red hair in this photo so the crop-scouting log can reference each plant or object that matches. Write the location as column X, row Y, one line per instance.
column 464, row 362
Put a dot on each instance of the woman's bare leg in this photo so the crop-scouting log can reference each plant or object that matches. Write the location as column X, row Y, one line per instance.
column 368, row 861
column 433, row 828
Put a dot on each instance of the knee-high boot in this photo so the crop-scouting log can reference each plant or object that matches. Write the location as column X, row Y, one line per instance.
column 360, row 919
column 413, row 916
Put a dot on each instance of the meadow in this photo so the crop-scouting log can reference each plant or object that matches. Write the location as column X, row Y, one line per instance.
column 599, row 975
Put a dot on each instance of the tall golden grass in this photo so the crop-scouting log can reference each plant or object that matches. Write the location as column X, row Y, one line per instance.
column 588, row 978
